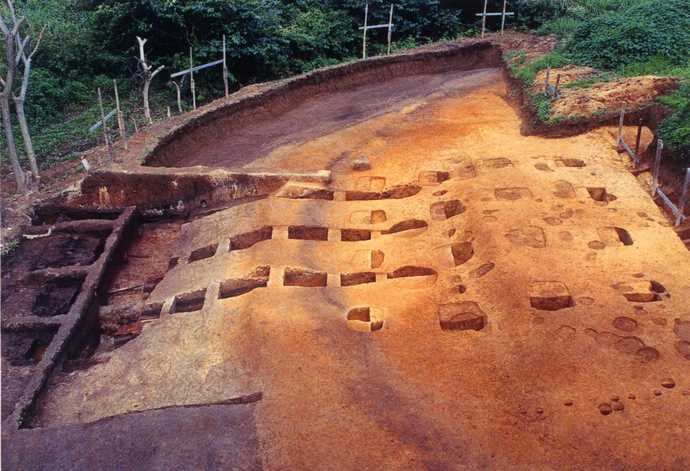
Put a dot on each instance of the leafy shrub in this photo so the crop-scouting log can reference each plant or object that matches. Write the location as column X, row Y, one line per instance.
column 637, row 33
column 533, row 13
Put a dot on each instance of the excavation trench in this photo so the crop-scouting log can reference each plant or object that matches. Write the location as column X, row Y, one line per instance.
column 331, row 297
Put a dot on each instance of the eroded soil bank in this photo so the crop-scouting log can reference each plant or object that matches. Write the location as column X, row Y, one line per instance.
column 477, row 298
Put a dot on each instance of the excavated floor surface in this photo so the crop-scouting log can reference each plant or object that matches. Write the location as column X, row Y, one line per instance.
column 519, row 307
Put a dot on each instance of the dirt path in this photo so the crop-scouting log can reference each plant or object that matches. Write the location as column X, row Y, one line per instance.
column 501, row 225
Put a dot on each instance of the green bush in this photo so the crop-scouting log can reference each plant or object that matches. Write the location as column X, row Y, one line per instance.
column 637, row 33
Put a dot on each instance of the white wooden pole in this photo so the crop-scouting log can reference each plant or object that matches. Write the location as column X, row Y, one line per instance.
column 390, row 27
column 484, row 18
column 191, row 78
column 120, row 116
column 621, row 120
column 179, row 96
column 104, row 124
column 225, row 70
column 503, row 16
column 364, row 34
column 657, row 166
column 169, row 114
column 684, row 198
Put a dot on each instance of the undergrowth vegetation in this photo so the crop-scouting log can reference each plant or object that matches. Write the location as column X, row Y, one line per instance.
column 620, row 38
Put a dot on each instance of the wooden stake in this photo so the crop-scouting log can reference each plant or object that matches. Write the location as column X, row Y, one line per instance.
column 390, row 27
column 136, row 128
column 191, row 79
column 684, row 198
column 120, row 117
column 637, row 141
column 179, row 96
column 621, row 120
column 657, row 166
column 484, row 19
column 503, row 16
column 364, row 34
column 169, row 115
column 558, row 82
column 105, row 128
column 225, row 70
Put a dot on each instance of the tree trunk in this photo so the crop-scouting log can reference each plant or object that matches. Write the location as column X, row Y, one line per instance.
column 147, row 110
column 28, row 144
column 11, row 146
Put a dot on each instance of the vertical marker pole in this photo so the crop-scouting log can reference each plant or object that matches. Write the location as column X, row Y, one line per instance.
column 621, row 120
column 390, row 27
column 103, row 124
column 191, row 79
column 225, row 70
column 683, row 199
column 179, row 96
column 484, row 18
column 503, row 16
column 136, row 128
column 558, row 82
column 120, row 116
column 657, row 166
column 637, row 140
column 169, row 114
column 364, row 35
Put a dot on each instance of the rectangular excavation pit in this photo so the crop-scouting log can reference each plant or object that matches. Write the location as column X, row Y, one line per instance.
column 248, row 239
column 308, row 233
column 62, row 250
column 203, row 252
column 410, row 271
column 600, row 194
column 354, row 235
column 26, row 348
column 237, row 287
column 351, row 279
column 55, row 297
column 304, row 277
column 189, row 302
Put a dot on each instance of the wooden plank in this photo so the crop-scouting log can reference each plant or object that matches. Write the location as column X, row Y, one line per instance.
column 197, row 68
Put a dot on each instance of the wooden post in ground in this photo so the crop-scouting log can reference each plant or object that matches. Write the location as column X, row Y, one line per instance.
column 484, row 18
column 225, row 70
column 120, row 116
column 179, row 96
column 558, row 82
column 683, row 198
column 637, row 141
column 105, row 126
column 364, row 34
column 390, row 27
column 191, row 79
column 169, row 114
column 657, row 166
column 136, row 128
column 503, row 16
column 621, row 120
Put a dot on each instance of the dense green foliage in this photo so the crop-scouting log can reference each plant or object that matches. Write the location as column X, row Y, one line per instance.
column 88, row 43
column 621, row 38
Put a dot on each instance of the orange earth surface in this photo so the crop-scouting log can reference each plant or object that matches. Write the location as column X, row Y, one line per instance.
column 498, row 301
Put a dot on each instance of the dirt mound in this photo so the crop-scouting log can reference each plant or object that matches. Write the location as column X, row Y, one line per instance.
column 633, row 92
column 569, row 74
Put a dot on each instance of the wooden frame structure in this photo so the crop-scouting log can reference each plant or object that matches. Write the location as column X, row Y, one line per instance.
column 502, row 14
column 366, row 28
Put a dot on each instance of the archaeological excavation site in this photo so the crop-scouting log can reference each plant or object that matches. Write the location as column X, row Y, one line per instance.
column 386, row 264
